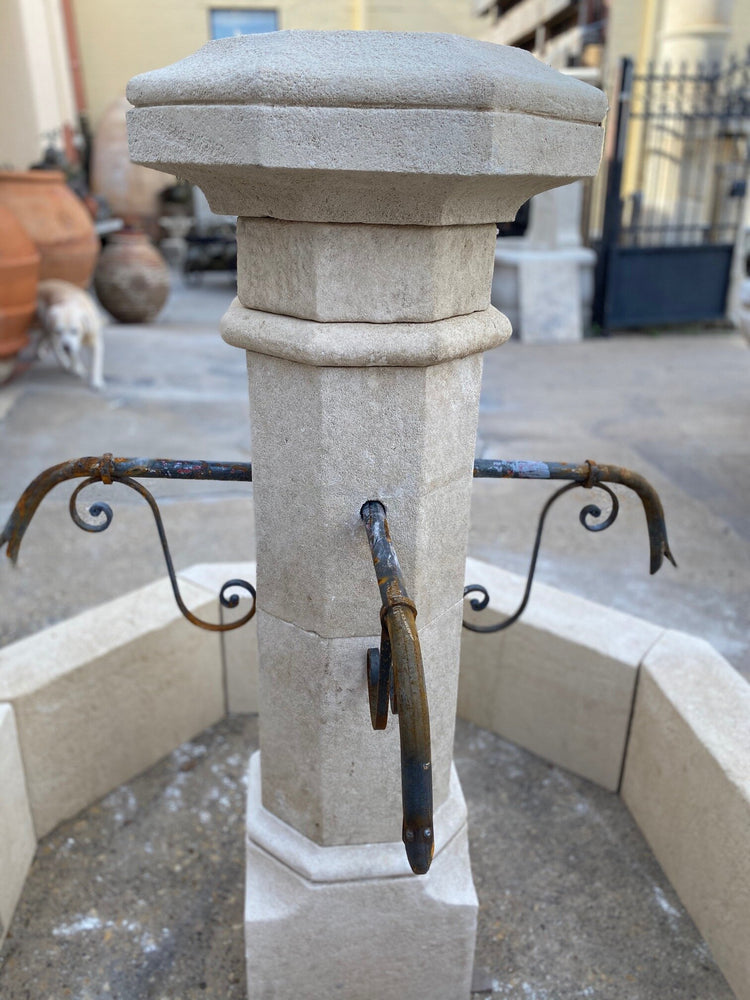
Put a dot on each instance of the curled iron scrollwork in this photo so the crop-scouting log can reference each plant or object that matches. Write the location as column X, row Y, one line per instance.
column 589, row 512
column 108, row 470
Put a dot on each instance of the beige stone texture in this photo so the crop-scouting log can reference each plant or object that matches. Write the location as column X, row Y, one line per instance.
column 687, row 784
column 358, row 916
column 239, row 647
column 559, row 682
column 363, row 345
column 382, row 166
column 388, row 128
column 375, row 69
column 102, row 696
column 375, row 274
column 17, row 840
column 316, row 710
column 325, row 440
column 343, row 862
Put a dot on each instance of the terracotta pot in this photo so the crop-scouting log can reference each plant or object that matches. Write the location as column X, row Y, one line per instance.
column 19, row 276
column 132, row 191
column 131, row 278
column 56, row 220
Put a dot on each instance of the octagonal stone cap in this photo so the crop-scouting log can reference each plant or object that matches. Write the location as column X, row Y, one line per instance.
column 372, row 69
column 371, row 127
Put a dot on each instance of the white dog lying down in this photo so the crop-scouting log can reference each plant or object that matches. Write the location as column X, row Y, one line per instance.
column 70, row 322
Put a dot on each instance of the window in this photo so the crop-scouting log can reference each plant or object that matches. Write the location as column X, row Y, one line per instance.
column 226, row 23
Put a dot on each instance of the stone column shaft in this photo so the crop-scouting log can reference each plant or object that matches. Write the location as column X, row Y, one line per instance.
column 368, row 171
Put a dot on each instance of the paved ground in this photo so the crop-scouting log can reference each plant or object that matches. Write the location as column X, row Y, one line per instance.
column 676, row 408
column 140, row 896
column 148, row 899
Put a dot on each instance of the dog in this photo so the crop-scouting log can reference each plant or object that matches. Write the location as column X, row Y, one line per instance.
column 70, row 324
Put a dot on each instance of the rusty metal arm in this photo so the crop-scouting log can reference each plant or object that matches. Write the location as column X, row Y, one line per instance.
column 395, row 674
column 587, row 475
column 108, row 470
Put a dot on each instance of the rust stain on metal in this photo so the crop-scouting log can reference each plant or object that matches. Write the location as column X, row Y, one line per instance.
column 396, row 675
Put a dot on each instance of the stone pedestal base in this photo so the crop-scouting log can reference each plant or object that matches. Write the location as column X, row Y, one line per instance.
column 352, row 921
column 546, row 294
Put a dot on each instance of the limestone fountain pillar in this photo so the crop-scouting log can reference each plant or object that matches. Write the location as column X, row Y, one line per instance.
column 368, row 171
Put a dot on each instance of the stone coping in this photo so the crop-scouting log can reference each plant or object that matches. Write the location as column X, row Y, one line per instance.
column 574, row 682
column 369, row 69
column 372, row 345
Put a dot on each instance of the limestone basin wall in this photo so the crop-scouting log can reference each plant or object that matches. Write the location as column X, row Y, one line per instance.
column 656, row 716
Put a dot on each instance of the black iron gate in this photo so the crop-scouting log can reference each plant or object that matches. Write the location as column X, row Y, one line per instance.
column 666, row 250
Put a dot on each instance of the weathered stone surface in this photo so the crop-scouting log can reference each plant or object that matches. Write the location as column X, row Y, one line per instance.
column 343, row 862
column 363, row 344
column 687, row 784
column 371, row 69
column 381, row 927
column 349, row 790
column 388, row 128
column 559, row 682
column 375, row 274
column 17, row 840
column 322, row 446
column 102, row 696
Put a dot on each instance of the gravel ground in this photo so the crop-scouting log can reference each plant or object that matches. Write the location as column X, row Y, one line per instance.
column 140, row 897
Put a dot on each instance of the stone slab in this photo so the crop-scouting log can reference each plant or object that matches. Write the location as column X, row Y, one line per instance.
column 239, row 646
column 342, row 127
column 102, row 696
column 687, row 784
column 375, row 274
column 559, row 682
column 315, row 710
column 363, row 345
column 384, row 166
column 17, row 839
column 368, row 69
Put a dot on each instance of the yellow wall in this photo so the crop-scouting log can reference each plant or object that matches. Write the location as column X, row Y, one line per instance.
column 35, row 83
column 119, row 38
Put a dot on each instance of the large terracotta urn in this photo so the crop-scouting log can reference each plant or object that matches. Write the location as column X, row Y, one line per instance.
column 19, row 276
column 56, row 220
column 132, row 192
column 132, row 278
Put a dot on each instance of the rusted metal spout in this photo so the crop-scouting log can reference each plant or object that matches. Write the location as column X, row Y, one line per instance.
column 589, row 475
column 395, row 672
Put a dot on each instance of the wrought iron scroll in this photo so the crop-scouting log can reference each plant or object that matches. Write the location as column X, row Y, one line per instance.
column 108, row 470
column 395, row 674
column 588, row 475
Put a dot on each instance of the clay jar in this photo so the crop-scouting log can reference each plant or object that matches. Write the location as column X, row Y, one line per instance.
column 131, row 278
column 19, row 276
column 56, row 220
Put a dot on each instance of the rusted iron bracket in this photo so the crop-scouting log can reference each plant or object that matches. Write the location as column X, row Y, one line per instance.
column 108, row 470
column 588, row 475
column 395, row 674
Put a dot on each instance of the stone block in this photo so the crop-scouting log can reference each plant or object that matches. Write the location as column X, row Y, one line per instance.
column 687, row 784
column 559, row 682
column 322, row 446
column 102, row 696
column 353, row 921
column 17, row 840
column 362, row 139
column 349, row 791
column 239, row 646
column 377, row 274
